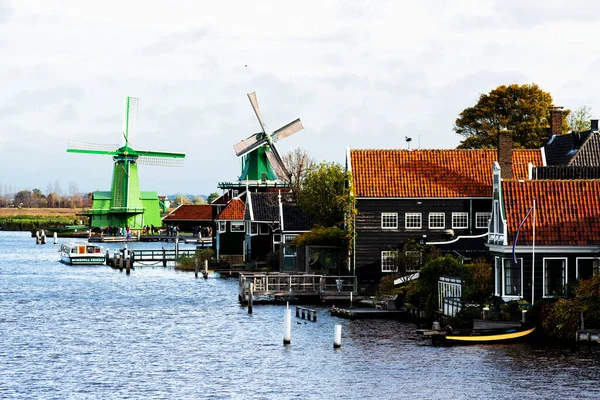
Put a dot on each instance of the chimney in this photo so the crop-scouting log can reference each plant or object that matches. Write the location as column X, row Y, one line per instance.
column 505, row 149
column 594, row 125
column 555, row 122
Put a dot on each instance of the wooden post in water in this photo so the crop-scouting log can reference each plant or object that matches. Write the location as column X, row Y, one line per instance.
column 43, row 237
column 55, row 237
column 196, row 267
column 287, row 326
column 205, row 273
column 107, row 256
column 121, row 262
column 164, row 257
column 37, row 237
column 114, row 265
column 314, row 315
column 297, row 312
column 250, row 298
column 337, row 337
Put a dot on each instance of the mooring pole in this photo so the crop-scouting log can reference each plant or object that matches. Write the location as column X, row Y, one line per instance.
column 337, row 337
column 251, row 298
column 196, row 267
column 287, row 326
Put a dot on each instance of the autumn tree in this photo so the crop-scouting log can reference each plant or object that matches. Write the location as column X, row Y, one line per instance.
column 579, row 119
column 197, row 200
column 522, row 109
column 324, row 196
column 297, row 162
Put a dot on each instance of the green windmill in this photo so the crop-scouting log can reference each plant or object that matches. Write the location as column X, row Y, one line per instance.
column 261, row 161
column 125, row 205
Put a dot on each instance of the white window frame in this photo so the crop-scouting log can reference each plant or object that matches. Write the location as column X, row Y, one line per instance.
column 237, row 224
column 435, row 216
column 277, row 238
column 408, row 216
column 504, row 294
column 597, row 269
column 478, row 221
column 498, row 281
column 263, row 229
column 222, row 226
column 386, row 257
column 389, row 220
column 287, row 240
column 565, row 280
column 460, row 216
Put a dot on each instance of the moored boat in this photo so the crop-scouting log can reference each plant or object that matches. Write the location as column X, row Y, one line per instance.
column 490, row 334
column 81, row 253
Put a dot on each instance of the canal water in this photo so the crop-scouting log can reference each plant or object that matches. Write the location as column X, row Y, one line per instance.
column 95, row 333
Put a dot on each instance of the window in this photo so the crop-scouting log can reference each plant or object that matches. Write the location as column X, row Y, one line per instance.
column 389, row 261
column 389, row 220
column 587, row 267
column 237, row 227
column 513, row 281
column 498, row 276
column 253, row 228
column 460, row 220
column 482, row 219
column 414, row 260
column 555, row 277
column 263, row 229
column 277, row 238
column 437, row 220
column 412, row 221
column 222, row 226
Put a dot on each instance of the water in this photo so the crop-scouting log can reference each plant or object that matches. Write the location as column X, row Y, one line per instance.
column 95, row 333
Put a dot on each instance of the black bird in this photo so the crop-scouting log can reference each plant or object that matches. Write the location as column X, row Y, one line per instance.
column 407, row 138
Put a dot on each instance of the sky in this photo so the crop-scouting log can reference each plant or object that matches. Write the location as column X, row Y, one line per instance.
column 359, row 74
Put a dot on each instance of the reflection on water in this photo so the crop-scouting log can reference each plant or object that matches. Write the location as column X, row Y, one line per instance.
column 92, row 332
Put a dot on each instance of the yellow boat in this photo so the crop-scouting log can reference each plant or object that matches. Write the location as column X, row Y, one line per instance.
column 508, row 336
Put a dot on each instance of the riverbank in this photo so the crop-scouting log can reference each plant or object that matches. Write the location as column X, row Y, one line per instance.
column 28, row 219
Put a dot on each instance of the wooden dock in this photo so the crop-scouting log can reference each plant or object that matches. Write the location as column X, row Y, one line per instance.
column 188, row 239
column 369, row 313
column 290, row 286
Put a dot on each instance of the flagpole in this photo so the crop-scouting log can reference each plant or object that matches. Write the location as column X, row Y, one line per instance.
column 533, row 259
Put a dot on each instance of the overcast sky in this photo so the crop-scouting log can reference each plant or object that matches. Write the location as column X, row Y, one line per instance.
column 360, row 74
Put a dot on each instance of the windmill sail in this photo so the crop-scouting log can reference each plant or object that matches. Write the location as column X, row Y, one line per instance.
column 287, row 130
column 130, row 121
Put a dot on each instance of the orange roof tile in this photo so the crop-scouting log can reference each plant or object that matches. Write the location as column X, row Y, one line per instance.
column 567, row 212
column 234, row 211
column 431, row 173
column 191, row 212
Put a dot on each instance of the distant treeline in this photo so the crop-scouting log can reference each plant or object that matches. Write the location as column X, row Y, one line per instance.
column 36, row 199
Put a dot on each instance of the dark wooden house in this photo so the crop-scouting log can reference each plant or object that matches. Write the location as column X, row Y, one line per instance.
column 440, row 197
column 557, row 243
column 262, row 220
column 230, row 232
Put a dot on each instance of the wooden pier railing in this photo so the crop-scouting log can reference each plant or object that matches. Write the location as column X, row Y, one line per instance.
column 325, row 287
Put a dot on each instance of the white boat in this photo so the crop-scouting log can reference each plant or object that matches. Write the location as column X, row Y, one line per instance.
column 82, row 253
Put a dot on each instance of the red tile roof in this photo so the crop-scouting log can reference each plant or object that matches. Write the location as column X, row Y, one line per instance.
column 191, row 212
column 234, row 211
column 431, row 173
column 567, row 212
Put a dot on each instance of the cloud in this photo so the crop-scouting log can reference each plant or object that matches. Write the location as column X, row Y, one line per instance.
column 5, row 10
column 34, row 100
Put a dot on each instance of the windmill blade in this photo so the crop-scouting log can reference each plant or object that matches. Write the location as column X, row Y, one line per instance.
column 129, row 123
column 287, row 130
column 75, row 144
column 160, row 161
column 254, row 102
column 277, row 163
column 247, row 145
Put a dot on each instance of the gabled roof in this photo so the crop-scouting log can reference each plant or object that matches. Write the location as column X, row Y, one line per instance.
column 233, row 211
column 190, row 212
column 565, row 172
column 294, row 220
column 431, row 173
column 575, row 148
column 567, row 211
column 264, row 207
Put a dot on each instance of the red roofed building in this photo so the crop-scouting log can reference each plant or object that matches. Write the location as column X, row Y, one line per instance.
column 566, row 244
column 231, row 231
column 190, row 217
column 430, row 196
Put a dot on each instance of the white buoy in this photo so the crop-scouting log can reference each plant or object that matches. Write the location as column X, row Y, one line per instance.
column 43, row 237
column 55, row 237
column 287, row 326
column 337, row 337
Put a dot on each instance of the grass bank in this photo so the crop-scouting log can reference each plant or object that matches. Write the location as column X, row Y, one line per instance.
column 27, row 219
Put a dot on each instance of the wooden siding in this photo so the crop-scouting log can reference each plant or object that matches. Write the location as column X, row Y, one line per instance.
column 372, row 239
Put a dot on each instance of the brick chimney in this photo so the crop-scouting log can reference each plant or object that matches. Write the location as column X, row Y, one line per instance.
column 505, row 149
column 594, row 125
column 555, row 122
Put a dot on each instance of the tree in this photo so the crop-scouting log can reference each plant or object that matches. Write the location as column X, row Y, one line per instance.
column 324, row 196
column 522, row 109
column 579, row 120
column 198, row 200
column 297, row 162
column 23, row 199
column 211, row 197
